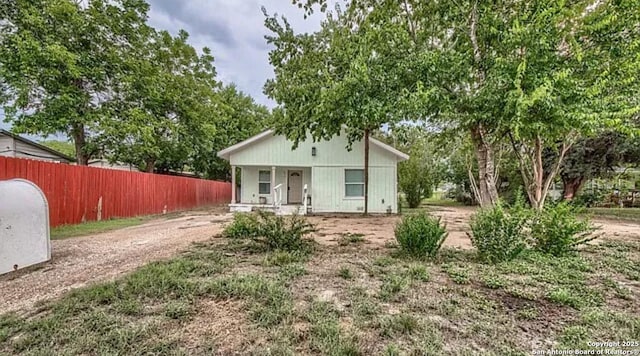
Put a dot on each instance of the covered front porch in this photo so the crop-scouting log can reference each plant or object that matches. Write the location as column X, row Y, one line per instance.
column 283, row 190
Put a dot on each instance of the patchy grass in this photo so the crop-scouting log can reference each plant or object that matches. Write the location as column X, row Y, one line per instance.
column 282, row 258
column 229, row 298
column 350, row 238
column 326, row 335
column 439, row 201
column 125, row 316
column 95, row 227
column 401, row 324
column 631, row 214
column 345, row 272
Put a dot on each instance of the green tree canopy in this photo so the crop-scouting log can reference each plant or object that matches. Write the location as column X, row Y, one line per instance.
column 596, row 157
column 96, row 72
column 59, row 60
column 338, row 80
column 426, row 167
column 64, row 147
column 538, row 73
column 168, row 107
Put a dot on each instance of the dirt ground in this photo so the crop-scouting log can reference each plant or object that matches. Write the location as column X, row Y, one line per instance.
column 378, row 230
column 83, row 260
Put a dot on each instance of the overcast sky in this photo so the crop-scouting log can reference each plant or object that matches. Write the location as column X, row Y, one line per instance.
column 234, row 31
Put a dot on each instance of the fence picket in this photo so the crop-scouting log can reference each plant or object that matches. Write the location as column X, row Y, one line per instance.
column 74, row 191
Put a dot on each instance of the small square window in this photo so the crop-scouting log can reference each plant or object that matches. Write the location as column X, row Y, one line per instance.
column 264, row 182
column 354, row 183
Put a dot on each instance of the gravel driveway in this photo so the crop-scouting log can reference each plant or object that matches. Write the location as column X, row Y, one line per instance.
column 79, row 261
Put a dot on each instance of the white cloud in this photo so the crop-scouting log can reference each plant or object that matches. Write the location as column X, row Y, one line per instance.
column 234, row 30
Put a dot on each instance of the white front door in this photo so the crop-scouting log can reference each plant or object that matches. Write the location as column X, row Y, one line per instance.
column 294, row 192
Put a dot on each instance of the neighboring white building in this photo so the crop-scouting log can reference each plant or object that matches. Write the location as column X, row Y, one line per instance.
column 12, row 145
column 273, row 175
column 103, row 163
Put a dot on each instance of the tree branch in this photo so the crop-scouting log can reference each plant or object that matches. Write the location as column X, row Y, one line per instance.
column 566, row 145
column 477, row 55
column 412, row 27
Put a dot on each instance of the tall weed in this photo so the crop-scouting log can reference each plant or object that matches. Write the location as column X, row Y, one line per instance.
column 499, row 234
column 274, row 232
column 420, row 235
column 557, row 230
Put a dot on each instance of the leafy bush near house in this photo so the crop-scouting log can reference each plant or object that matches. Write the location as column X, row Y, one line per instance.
column 420, row 235
column 557, row 230
column 274, row 232
column 499, row 234
column 244, row 225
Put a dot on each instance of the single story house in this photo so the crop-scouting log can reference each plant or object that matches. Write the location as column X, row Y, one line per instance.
column 12, row 145
column 317, row 177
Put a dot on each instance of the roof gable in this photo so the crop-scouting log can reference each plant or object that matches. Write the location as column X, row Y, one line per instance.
column 35, row 144
column 226, row 153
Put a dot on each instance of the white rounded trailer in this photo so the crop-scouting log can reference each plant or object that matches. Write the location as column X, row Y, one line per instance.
column 24, row 225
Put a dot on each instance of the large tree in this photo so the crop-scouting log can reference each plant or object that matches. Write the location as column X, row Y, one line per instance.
column 241, row 118
column 340, row 79
column 595, row 157
column 439, row 56
column 538, row 72
column 167, row 106
column 59, row 60
column 571, row 74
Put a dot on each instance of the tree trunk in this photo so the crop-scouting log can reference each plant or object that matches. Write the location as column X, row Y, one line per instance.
column 538, row 176
column 486, row 192
column 537, row 183
column 570, row 187
column 79, row 140
column 366, row 171
column 150, row 165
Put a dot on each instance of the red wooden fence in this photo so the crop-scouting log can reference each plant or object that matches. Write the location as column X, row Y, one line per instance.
column 77, row 193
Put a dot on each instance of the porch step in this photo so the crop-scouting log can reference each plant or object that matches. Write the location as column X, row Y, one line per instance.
column 290, row 210
column 282, row 210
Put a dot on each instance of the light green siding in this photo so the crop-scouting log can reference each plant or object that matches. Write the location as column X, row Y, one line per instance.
column 276, row 151
column 323, row 173
column 329, row 190
column 249, row 183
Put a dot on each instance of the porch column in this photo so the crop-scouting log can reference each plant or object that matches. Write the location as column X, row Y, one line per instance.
column 273, row 184
column 233, row 184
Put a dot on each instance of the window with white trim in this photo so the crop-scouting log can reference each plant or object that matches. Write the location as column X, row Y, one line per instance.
column 354, row 183
column 264, row 182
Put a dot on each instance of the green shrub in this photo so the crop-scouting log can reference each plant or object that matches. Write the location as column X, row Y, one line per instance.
column 275, row 232
column 556, row 230
column 420, row 235
column 590, row 198
column 284, row 233
column 498, row 234
column 244, row 225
